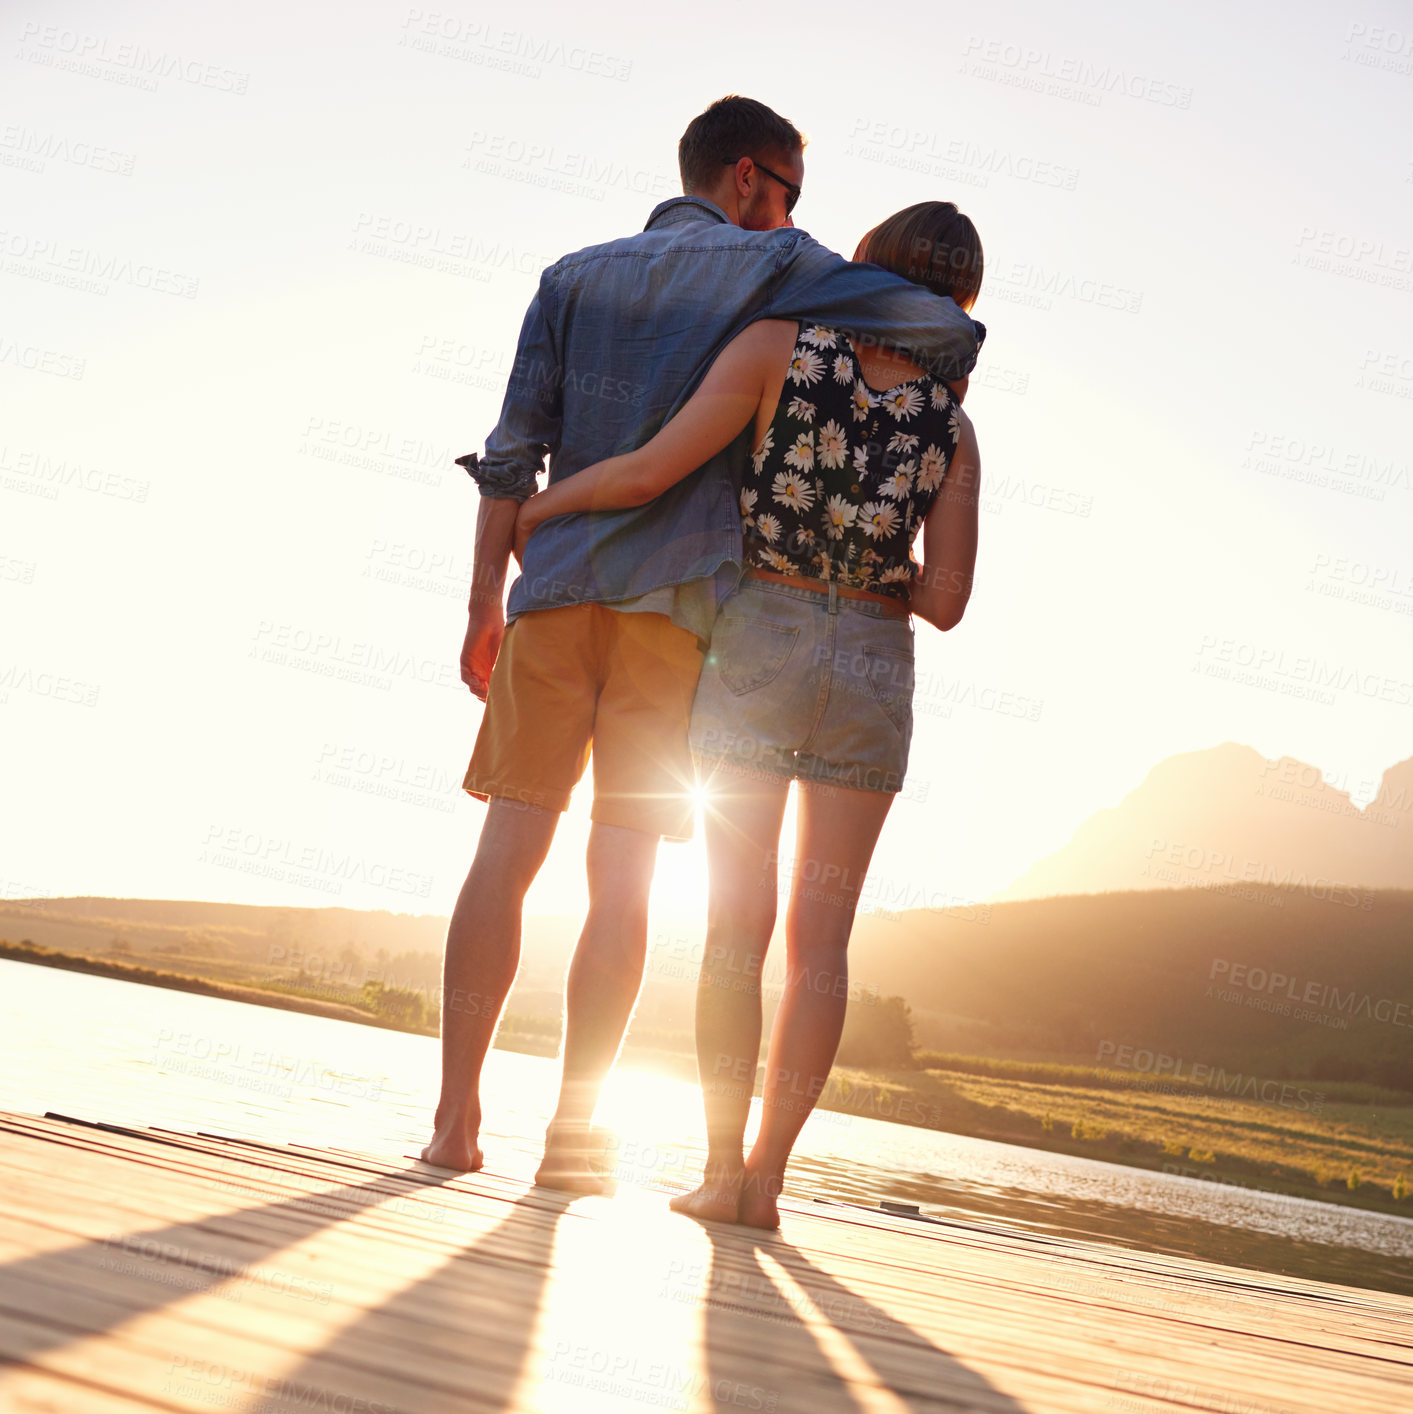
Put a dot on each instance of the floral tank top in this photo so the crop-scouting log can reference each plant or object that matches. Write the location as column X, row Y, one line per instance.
column 844, row 475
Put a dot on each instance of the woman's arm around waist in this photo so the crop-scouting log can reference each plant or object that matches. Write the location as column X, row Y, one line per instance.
column 747, row 374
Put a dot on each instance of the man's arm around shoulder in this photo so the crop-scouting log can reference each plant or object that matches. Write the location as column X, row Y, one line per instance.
column 879, row 306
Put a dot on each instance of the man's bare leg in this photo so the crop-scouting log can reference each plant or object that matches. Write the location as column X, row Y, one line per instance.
column 482, row 954
column 835, row 838
column 743, row 836
column 604, row 978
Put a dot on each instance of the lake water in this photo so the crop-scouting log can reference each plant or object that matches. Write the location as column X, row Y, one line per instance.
column 99, row 1049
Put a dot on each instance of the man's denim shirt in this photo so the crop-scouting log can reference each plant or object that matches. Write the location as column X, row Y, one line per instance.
column 616, row 340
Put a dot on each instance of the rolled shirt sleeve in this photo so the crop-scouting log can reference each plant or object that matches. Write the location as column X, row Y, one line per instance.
column 530, row 417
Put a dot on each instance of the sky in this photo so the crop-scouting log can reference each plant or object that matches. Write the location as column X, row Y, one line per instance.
column 261, row 274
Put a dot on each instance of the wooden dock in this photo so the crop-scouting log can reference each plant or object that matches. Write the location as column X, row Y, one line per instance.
column 153, row 1270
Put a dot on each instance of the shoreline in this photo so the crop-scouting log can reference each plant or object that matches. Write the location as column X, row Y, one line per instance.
column 892, row 1097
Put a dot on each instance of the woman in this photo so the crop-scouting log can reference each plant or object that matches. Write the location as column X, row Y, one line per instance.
column 810, row 672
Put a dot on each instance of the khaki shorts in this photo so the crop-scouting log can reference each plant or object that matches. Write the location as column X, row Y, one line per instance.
column 587, row 675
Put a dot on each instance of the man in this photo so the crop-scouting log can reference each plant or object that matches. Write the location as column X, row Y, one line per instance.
column 609, row 615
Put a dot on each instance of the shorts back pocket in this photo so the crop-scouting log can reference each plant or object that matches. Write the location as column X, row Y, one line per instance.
column 748, row 653
column 890, row 678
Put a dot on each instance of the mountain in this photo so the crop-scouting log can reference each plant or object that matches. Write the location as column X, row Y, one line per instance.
column 1228, row 817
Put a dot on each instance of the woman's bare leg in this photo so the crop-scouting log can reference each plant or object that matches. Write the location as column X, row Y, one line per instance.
column 835, row 838
column 743, row 819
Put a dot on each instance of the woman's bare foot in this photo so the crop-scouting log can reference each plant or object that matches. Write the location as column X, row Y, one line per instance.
column 717, row 1198
column 758, row 1194
column 453, row 1151
column 575, row 1160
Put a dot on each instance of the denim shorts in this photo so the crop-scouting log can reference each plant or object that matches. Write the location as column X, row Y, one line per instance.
column 807, row 686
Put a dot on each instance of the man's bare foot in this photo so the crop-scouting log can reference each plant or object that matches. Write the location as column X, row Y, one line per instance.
column 717, row 1198
column 575, row 1160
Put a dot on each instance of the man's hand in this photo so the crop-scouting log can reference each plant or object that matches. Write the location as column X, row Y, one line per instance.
column 484, row 630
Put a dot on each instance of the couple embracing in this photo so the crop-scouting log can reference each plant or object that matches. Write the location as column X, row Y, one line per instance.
column 746, row 434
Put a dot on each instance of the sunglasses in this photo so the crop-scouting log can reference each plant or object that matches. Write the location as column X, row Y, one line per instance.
column 792, row 192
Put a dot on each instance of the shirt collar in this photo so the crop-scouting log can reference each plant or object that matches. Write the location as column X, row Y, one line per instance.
column 677, row 210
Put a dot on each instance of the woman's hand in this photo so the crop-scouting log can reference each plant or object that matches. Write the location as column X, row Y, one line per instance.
column 527, row 521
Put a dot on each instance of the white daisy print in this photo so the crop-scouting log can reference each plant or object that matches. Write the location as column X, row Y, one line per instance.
column 903, row 402
column 769, row 527
column 861, row 460
column 877, row 519
column 839, row 515
column 896, row 574
column 819, row 337
column 767, row 444
column 748, row 501
column 863, row 400
column 791, row 489
column 801, row 455
column 954, row 425
column 903, row 442
column 800, row 409
column 831, row 449
column 777, row 561
column 899, row 483
column 940, row 395
column 933, row 468
column 843, row 368
column 806, row 367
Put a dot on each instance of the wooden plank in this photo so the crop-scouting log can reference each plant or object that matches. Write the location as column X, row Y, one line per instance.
column 514, row 1299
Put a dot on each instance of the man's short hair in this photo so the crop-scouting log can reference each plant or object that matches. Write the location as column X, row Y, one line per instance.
column 732, row 128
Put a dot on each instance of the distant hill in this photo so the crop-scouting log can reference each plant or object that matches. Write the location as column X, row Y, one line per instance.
column 1227, row 815
column 1282, row 981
